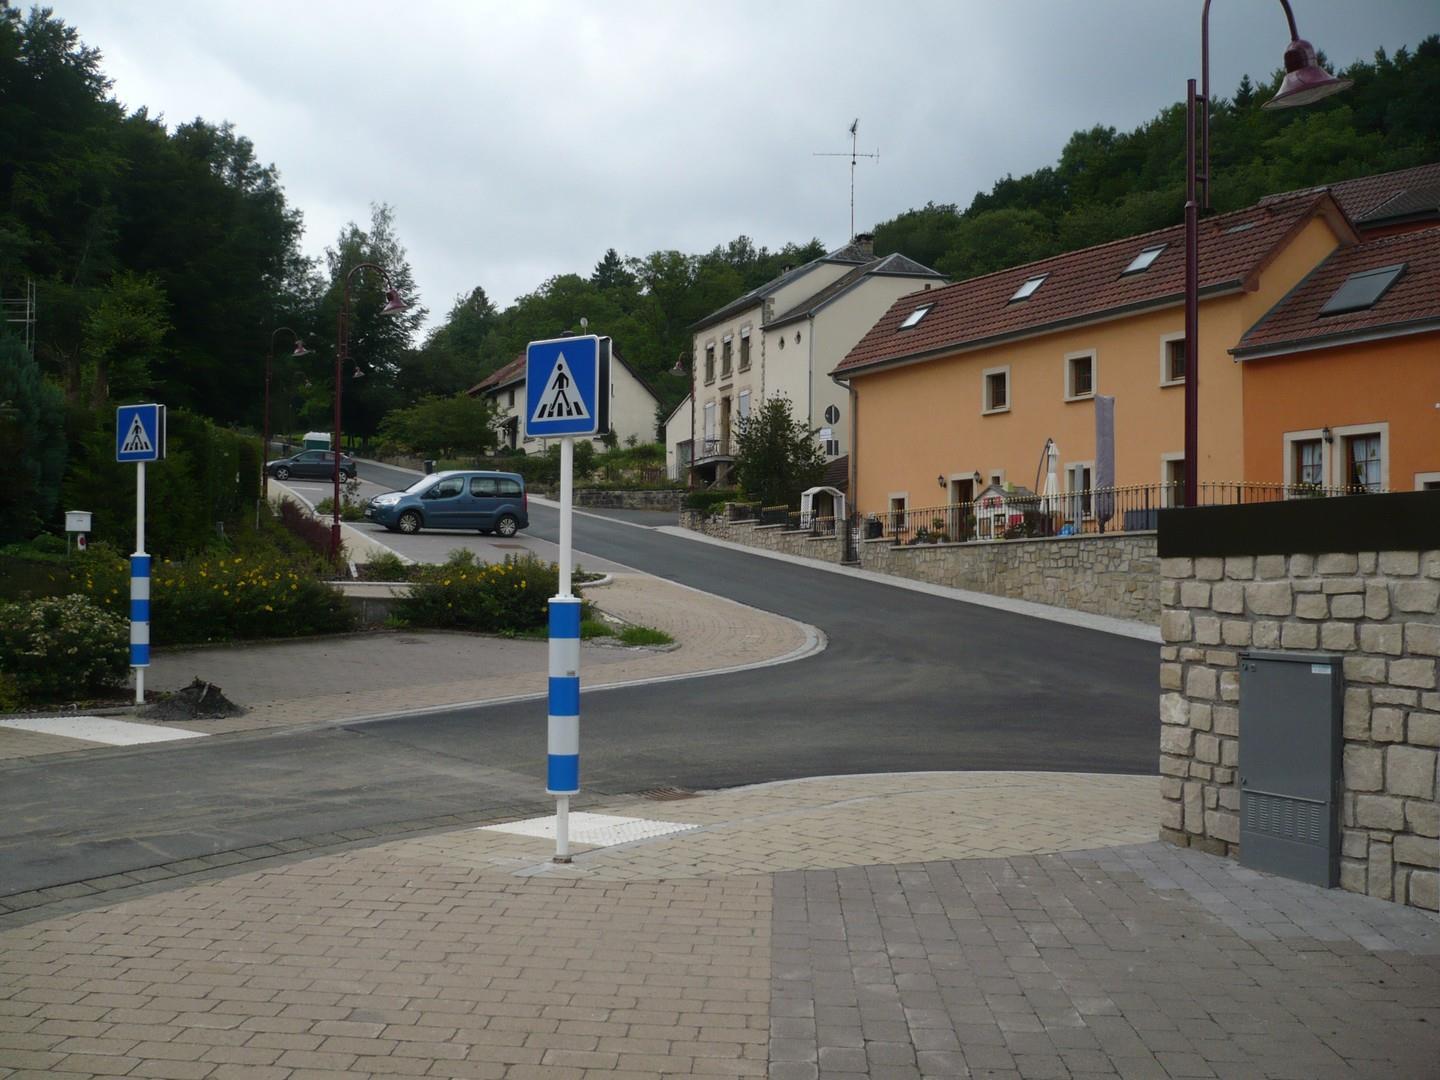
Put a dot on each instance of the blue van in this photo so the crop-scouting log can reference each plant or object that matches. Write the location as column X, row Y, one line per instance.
column 491, row 502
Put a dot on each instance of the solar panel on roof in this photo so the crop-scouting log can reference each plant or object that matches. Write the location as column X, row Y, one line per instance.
column 1361, row 289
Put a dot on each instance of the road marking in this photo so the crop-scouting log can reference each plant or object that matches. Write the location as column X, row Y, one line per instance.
column 100, row 729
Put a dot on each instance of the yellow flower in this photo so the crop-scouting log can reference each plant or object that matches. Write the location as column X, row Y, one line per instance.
column 269, row 608
column 446, row 581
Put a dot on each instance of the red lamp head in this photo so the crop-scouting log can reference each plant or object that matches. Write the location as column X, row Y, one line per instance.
column 394, row 303
column 1305, row 80
column 300, row 349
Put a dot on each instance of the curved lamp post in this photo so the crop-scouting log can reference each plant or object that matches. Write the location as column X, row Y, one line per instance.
column 394, row 305
column 300, row 350
column 1305, row 82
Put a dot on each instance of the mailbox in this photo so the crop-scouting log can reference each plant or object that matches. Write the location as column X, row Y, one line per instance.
column 77, row 521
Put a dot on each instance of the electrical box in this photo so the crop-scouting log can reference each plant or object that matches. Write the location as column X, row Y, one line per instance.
column 77, row 521
column 1291, row 707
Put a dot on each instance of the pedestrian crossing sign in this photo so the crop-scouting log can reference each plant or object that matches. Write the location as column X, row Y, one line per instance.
column 140, row 433
column 567, row 386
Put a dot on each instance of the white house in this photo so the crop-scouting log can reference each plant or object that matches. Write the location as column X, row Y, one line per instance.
column 784, row 338
column 632, row 405
column 679, row 440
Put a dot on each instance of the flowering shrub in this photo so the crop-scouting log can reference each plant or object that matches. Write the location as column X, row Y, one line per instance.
column 62, row 647
column 222, row 598
column 312, row 530
column 500, row 598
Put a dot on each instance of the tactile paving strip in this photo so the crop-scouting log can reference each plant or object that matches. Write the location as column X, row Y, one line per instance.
column 594, row 830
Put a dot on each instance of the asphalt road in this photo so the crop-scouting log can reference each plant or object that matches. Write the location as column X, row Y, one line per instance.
column 908, row 682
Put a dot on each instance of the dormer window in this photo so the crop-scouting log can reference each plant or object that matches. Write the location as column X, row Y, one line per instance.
column 1361, row 290
column 1142, row 262
column 1028, row 289
column 915, row 316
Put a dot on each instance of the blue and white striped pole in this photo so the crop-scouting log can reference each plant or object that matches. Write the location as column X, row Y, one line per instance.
column 140, row 592
column 562, row 769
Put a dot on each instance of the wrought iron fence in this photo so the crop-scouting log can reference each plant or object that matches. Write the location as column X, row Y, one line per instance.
column 1019, row 516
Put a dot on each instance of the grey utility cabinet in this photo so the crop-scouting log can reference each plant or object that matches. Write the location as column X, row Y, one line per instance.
column 1290, row 752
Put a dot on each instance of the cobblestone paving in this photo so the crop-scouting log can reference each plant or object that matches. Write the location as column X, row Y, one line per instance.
column 470, row 955
column 1139, row 961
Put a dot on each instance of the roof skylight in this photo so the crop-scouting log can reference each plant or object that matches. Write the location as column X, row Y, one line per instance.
column 1242, row 227
column 1144, row 259
column 1028, row 289
column 1362, row 289
column 915, row 316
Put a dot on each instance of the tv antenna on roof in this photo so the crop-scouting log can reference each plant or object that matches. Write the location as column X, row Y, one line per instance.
column 854, row 155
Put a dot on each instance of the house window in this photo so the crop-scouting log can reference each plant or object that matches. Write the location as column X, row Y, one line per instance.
column 1363, row 461
column 1079, row 478
column 510, row 401
column 710, row 363
column 1079, row 376
column 725, row 358
column 832, row 447
column 711, row 446
column 1142, row 261
column 1361, row 290
column 997, row 390
column 743, row 405
column 1172, row 360
column 1309, row 463
column 915, row 316
column 744, row 349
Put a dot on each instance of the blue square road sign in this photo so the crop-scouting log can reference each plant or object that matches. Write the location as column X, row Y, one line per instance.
column 140, row 433
column 567, row 387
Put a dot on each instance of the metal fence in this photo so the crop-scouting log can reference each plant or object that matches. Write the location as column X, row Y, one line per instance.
column 1073, row 513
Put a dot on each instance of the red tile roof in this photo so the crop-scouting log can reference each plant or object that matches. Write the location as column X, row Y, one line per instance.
column 1088, row 284
column 1365, row 199
column 1411, row 304
column 511, row 372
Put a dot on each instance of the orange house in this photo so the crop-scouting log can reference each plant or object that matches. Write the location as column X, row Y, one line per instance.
column 961, row 386
column 1341, row 379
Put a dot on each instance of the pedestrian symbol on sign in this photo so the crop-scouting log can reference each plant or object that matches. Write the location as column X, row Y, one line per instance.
column 137, row 439
column 559, row 400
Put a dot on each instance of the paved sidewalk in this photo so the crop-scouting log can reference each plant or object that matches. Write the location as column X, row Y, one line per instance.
column 284, row 684
column 1032, row 930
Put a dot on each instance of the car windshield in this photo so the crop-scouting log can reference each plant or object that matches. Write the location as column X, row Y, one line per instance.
column 423, row 484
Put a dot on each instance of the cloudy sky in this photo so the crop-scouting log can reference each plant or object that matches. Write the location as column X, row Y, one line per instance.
column 518, row 140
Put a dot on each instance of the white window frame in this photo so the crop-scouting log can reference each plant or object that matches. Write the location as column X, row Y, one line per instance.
column 709, row 354
column 1423, row 478
column 744, row 361
column 1070, row 358
column 993, row 478
column 1166, row 494
column 742, row 405
column 1290, row 438
column 1072, row 495
column 710, row 421
column 1340, row 462
column 904, row 499
column 1165, row 340
column 985, row 409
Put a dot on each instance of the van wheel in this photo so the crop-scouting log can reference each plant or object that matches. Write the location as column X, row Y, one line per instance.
column 409, row 522
column 507, row 525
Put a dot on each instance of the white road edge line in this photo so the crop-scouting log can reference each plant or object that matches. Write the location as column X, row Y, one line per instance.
column 100, row 729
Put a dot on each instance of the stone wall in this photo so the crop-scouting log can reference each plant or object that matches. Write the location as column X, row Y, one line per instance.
column 1376, row 608
column 1114, row 574
column 769, row 537
column 662, row 499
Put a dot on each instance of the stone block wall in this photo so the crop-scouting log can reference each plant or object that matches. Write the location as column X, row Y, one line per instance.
column 768, row 537
column 603, row 498
column 1113, row 574
column 1378, row 609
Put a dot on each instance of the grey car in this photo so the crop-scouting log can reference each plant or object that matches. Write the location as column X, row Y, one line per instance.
column 311, row 465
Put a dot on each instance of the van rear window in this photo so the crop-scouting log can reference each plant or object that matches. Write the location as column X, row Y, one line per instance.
column 509, row 487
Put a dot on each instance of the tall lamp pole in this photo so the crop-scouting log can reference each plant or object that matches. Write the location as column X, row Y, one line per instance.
column 300, row 350
column 1305, row 82
column 394, row 305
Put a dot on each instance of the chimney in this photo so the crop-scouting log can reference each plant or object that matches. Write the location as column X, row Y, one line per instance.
column 866, row 243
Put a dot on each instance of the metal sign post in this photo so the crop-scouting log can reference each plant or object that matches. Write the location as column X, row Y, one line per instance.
column 140, row 437
column 567, row 394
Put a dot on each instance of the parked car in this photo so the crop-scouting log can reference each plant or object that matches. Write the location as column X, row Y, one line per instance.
column 311, row 465
column 486, row 501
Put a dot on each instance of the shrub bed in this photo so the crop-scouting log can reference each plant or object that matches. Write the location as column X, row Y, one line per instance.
column 60, row 648
column 708, row 499
column 311, row 530
column 500, row 598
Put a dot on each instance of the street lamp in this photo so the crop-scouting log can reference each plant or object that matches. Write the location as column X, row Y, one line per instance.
column 1305, row 82
column 394, row 305
column 300, row 350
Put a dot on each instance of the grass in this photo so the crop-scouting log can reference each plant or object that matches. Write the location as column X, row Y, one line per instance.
column 644, row 635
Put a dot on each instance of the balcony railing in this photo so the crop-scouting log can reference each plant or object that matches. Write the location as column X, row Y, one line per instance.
column 710, row 448
column 1072, row 513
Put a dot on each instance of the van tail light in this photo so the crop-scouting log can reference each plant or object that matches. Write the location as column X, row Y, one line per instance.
column 525, row 502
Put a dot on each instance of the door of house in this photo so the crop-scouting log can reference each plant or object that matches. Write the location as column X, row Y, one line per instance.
column 725, row 425
column 962, row 495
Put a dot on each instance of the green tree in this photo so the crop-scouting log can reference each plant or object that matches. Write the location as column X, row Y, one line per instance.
column 442, row 426
column 776, row 456
column 610, row 272
column 122, row 334
column 450, row 359
column 32, row 443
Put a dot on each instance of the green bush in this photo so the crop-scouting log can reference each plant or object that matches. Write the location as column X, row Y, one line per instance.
column 385, row 567
column 61, row 648
column 708, row 499
column 500, row 598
